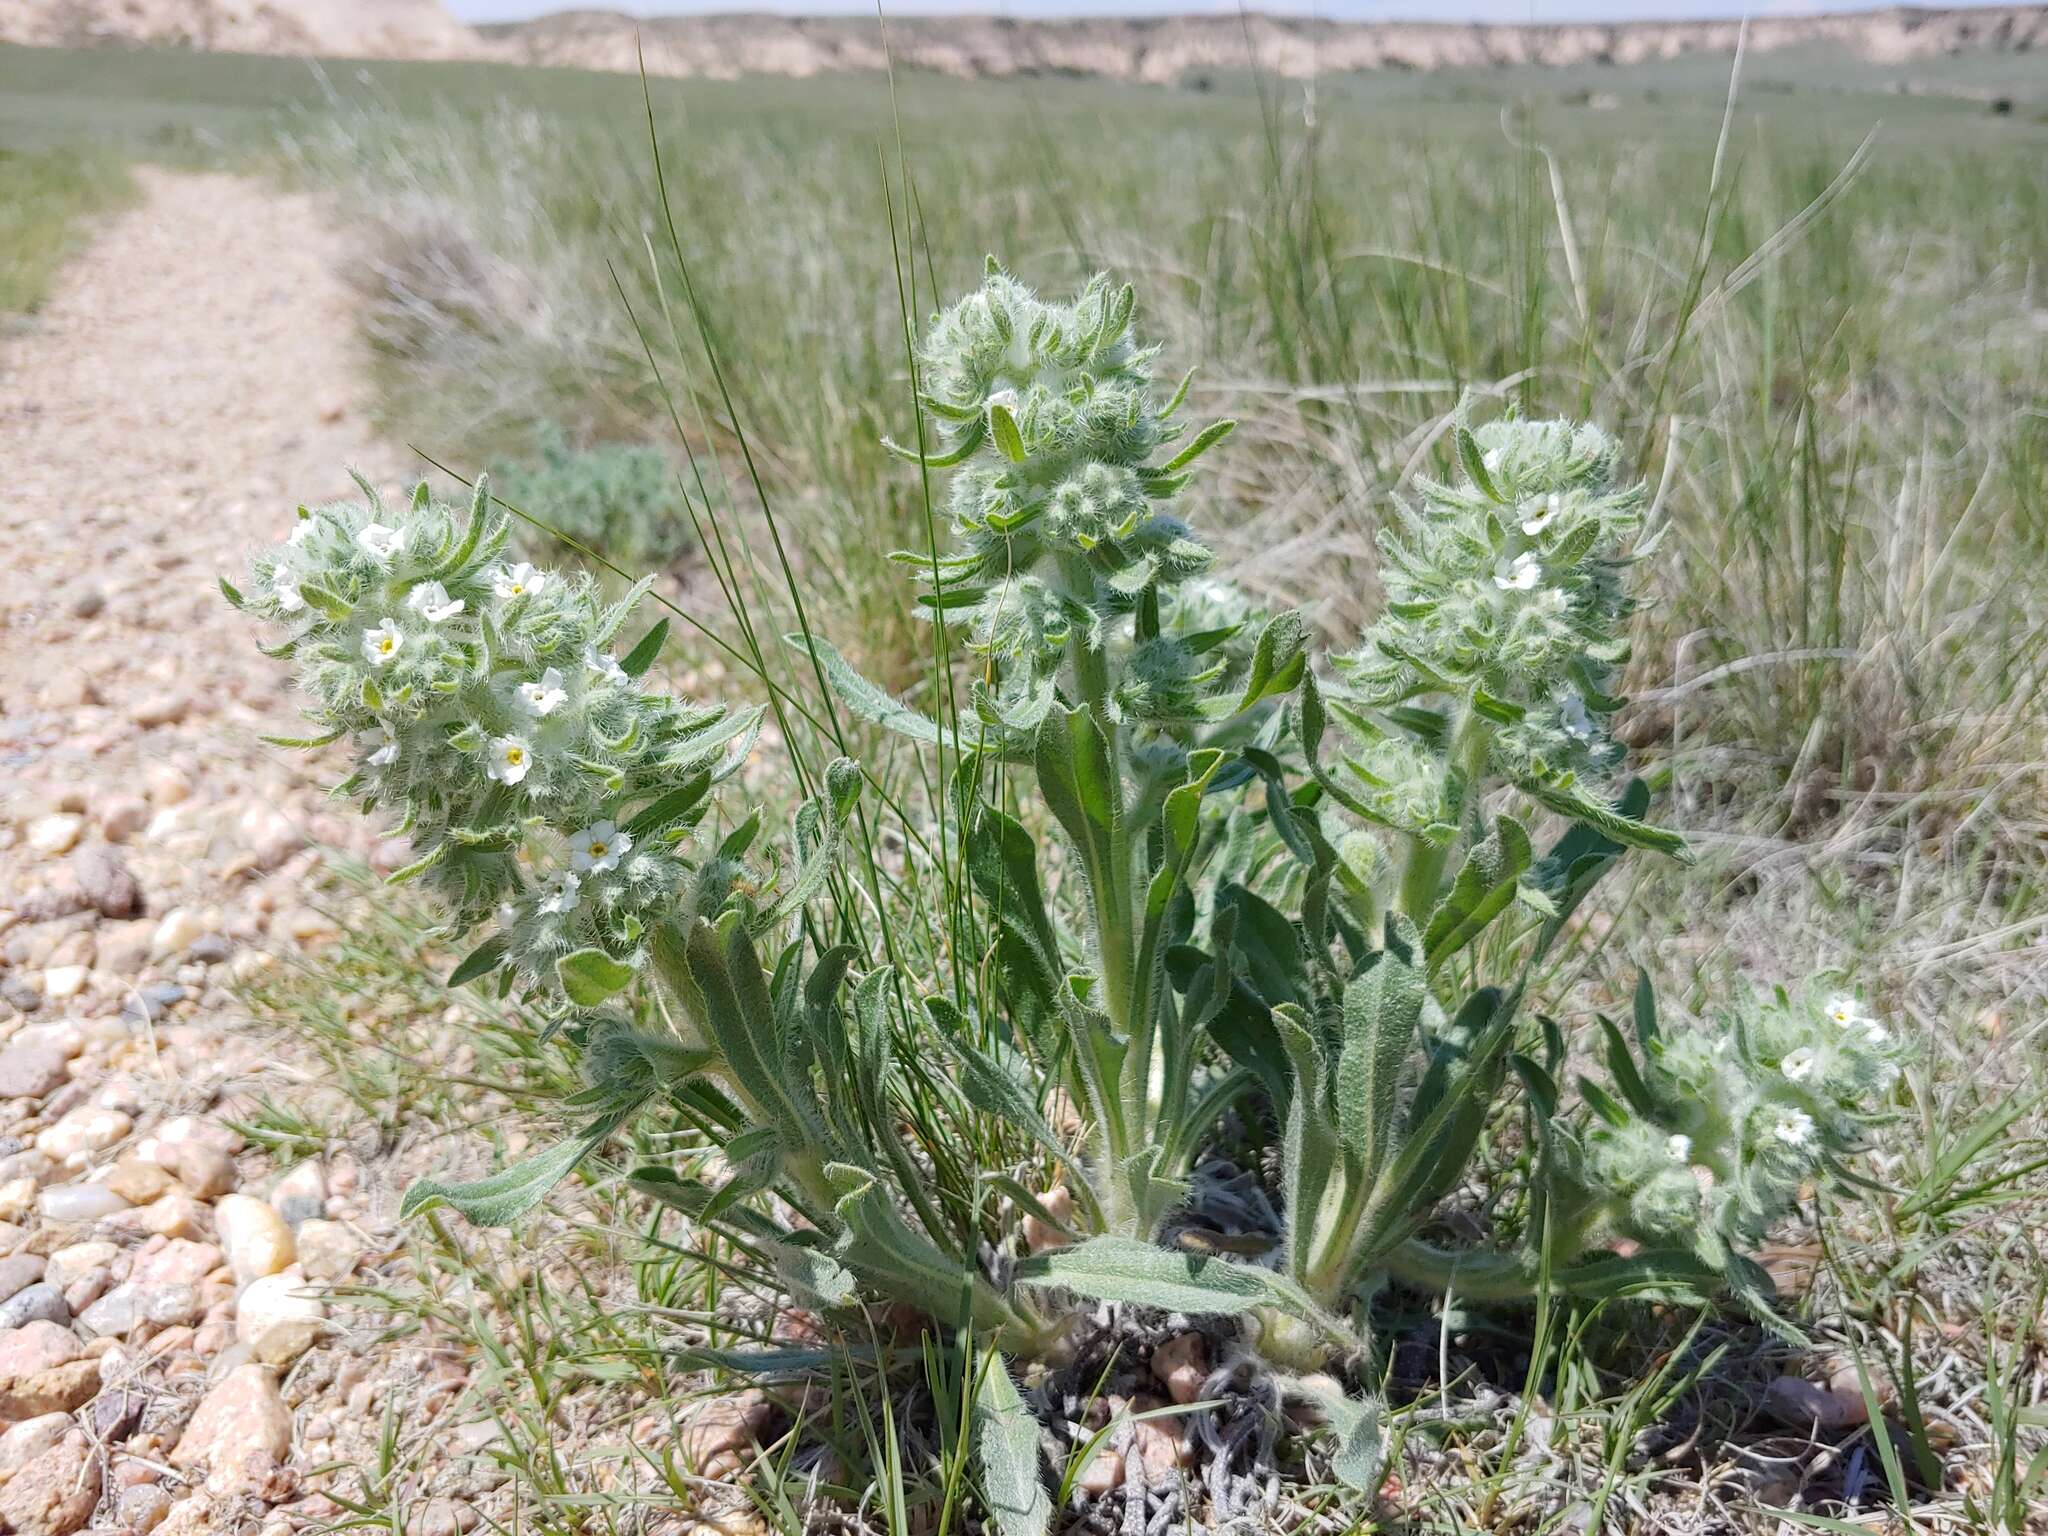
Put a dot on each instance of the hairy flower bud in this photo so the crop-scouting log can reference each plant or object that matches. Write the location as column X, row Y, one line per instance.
column 1062, row 524
column 1505, row 600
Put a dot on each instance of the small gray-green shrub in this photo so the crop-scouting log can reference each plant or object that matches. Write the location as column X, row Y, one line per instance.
column 1204, row 866
column 618, row 500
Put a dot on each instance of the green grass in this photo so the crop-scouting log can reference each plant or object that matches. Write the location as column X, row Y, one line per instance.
column 48, row 199
column 1830, row 359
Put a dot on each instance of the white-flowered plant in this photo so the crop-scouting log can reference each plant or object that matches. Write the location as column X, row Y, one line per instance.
column 487, row 708
column 1310, row 885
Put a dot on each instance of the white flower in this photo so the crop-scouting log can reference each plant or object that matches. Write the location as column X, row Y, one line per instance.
column 1794, row 1127
column 1491, row 459
column 381, row 644
column 380, row 744
column 545, row 696
column 561, row 896
column 284, row 586
column 302, row 530
column 1800, row 1065
column 430, row 600
column 1552, row 505
column 379, row 542
column 606, row 666
column 1572, row 713
column 1520, row 575
column 510, row 759
column 521, row 580
column 1847, row 1013
column 599, row 847
column 1680, row 1148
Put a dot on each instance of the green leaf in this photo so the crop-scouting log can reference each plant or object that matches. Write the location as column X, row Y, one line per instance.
column 1002, row 427
column 590, row 976
column 505, row 1196
column 1645, row 1011
column 228, row 591
column 1110, row 1268
column 1572, row 801
column 1475, row 466
column 1278, row 658
column 483, row 960
column 1484, row 887
column 1382, row 1026
column 1006, row 1440
column 671, row 807
column 869, row 700
column 1268, row 944
column 1360, row 1456
column 326, row 602
column 641, row 657
column 1204, row 440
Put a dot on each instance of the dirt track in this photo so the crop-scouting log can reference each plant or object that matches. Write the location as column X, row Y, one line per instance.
column 188, row 383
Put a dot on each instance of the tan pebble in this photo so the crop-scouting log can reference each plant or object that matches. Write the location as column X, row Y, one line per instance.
column 723, row 1433
column 1181, row 1365
column 1104, row 1472
column 205, row 1170
column 136, row 1181
column 278, row 1318
column 55, row 1494
column 178, row 930
column 1041, row 1235
column 306, row 925
column 244, row 1414
column 70, row 1263
column 328, row 1250
column 143, row 1505
column 54, row 835
column 17, row 1198
column 1162, row 1444
column 122, row 817
column 176, row 1214
column 257, row 1241
column 166, row 784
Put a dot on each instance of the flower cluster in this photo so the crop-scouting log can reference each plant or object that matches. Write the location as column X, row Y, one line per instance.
column 537, row 782
column 1505, row 599
column 1710, row 1144
column 1061, row 523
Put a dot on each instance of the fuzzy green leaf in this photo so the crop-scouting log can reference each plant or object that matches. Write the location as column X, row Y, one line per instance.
column 590, row 976
column 1572, row 801
column 505, row 1196
column 482, row 960
column 1002, row 427
column 1006, row 1440
column 1278, row 659
column 1382, row 1026
column 641, row 657
column 1484, row 888
column 867, row 699
column 1122, row 1269
column 1360, row 1456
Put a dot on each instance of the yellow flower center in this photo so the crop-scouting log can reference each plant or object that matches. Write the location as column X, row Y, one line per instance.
column 597, row 850
column 515, row 757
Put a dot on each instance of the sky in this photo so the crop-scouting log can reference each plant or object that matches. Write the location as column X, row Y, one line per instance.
column 1343, row 10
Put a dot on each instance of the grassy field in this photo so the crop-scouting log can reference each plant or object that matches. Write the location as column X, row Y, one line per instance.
column 1816, row 320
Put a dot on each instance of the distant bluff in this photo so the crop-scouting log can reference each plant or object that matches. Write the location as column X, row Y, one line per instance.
column 1156, row 51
